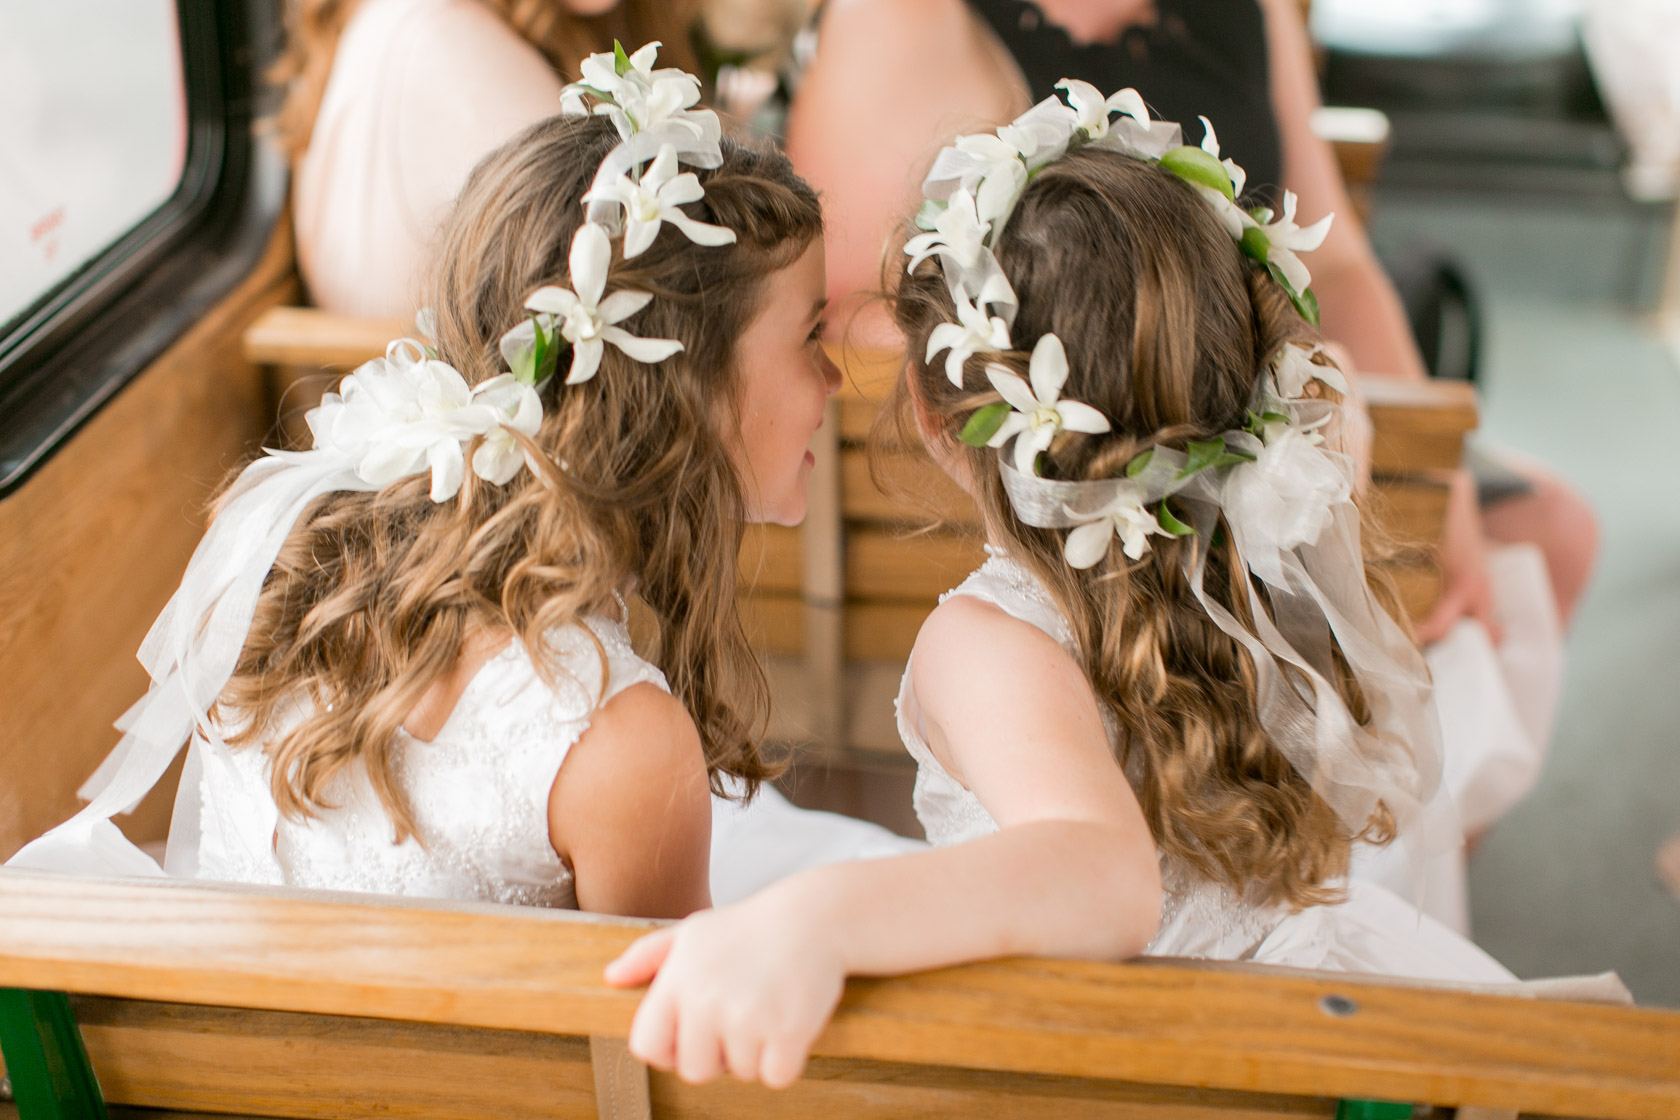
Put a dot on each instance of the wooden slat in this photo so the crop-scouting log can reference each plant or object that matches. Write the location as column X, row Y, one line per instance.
column 774, row 623
column 913, row 490
column 276, row 1063
column 1413, row 512
column 193, row 1059
column 1419, row 425
column 881, row 564
column 770, row 560
column 884, row 631
column 511, row 968
column 306, row 336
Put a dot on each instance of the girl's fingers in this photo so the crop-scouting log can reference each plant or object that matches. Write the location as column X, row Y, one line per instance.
column 653, row 1033
column 781, row 1062
column 741, row 1053
column 699, row 1052
column 639, row 963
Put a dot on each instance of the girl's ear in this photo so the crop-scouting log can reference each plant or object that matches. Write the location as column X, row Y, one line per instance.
column 926, row 425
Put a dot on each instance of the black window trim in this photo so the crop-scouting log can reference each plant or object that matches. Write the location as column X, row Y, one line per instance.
column 95, row 331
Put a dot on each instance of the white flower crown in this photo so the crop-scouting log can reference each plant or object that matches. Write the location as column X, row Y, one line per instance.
column 410, row 412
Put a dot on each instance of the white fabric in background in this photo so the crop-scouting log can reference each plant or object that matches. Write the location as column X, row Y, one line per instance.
column 1633, row 47
column 1497, row 706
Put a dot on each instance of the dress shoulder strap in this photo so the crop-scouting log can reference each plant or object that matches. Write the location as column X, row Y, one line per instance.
column 1011, row 587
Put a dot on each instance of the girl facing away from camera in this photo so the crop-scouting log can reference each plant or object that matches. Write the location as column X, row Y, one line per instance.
column 1173, row 699
column 400, row 657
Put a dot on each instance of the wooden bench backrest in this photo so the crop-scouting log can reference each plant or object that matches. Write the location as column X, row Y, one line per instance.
column 358, row 1006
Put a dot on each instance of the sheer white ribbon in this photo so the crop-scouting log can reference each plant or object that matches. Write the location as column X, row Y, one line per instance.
column 1294, row 525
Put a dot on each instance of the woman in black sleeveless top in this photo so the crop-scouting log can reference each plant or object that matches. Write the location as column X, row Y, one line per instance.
column 895, row 79
column 1197, row 58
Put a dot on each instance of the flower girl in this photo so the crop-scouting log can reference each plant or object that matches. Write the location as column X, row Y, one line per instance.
column 1162, row 713
column 400, row 657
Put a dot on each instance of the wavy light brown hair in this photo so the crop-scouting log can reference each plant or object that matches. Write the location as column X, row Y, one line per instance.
column 313, row 28
column 1167, row 327
column 374, row 594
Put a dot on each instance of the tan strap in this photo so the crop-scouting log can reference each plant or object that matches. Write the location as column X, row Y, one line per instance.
column 621, row 1082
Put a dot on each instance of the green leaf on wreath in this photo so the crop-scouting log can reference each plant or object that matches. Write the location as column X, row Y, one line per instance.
column 984, row 424
column 1198, row 168
column 621, row 61
column 1164, row 516
column 1140, row 464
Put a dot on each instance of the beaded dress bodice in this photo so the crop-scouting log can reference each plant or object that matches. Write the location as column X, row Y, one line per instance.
column 478, row 791
column 1198, row 918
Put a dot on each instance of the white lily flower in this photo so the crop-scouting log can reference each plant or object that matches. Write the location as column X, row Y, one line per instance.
column 1234, row 217
column 1285, row 498
column 399, row 415
column 1038, row 412
column 656, row 198
column 499, row 456
column 974, row 332
column 958, row 233
column 1125, row 518
column 586, row 320
column 1091, row 109
column 1294, row 368
column 1286, row 239
column 998, row 173
column 639, row 100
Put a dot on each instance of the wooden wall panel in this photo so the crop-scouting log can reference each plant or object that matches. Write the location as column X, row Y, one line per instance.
column 94, row 544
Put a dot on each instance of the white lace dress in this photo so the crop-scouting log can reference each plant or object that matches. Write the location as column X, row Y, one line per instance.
column 479, row 795
column 1372, row 932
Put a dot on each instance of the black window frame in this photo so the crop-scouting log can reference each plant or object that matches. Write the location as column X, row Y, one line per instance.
column 71, row 351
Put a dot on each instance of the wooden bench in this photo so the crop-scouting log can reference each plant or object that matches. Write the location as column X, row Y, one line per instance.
column 238, row 1001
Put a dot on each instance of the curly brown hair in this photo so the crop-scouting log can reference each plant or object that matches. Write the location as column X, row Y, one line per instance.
column 374, row 594
column 313, row 28
column 1167, row 327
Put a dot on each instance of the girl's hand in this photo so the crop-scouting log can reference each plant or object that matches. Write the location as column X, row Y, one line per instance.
column 746, row 989
column 1467, row 590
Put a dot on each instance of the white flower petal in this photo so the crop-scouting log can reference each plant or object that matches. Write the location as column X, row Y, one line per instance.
column 682, row 190
column 638, row 237
column 1210, row 142
column 1048, row 369
column 386, row 462
column 1088, row 544
column 701, row 233
column 1028, row 445
column 551, row 300
column 586, row 359
column 498, row 458
column 645, row 350
column 1079, row 417
column 1130, row 102
column 622, row 304
column 1012, row 425
column 590, row 256
column 447, row 464
column 1012, row 388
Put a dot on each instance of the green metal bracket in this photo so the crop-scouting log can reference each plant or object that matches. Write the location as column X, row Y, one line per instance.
column 51, row 1076
column 1372, row 1110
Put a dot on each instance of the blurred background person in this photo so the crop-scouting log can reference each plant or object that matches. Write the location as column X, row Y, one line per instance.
column 389, row 103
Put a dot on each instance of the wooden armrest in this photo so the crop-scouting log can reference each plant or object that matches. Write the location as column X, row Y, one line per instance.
column 1166, row 1023
column 305, row 336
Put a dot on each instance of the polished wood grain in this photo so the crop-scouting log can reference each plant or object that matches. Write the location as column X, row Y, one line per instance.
column 1418, row 425
column 308, row 336
column 94, row 544
column 192, row 1059
column 505, row 968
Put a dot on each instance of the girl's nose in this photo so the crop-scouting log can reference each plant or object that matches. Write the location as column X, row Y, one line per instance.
column 830, row 371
